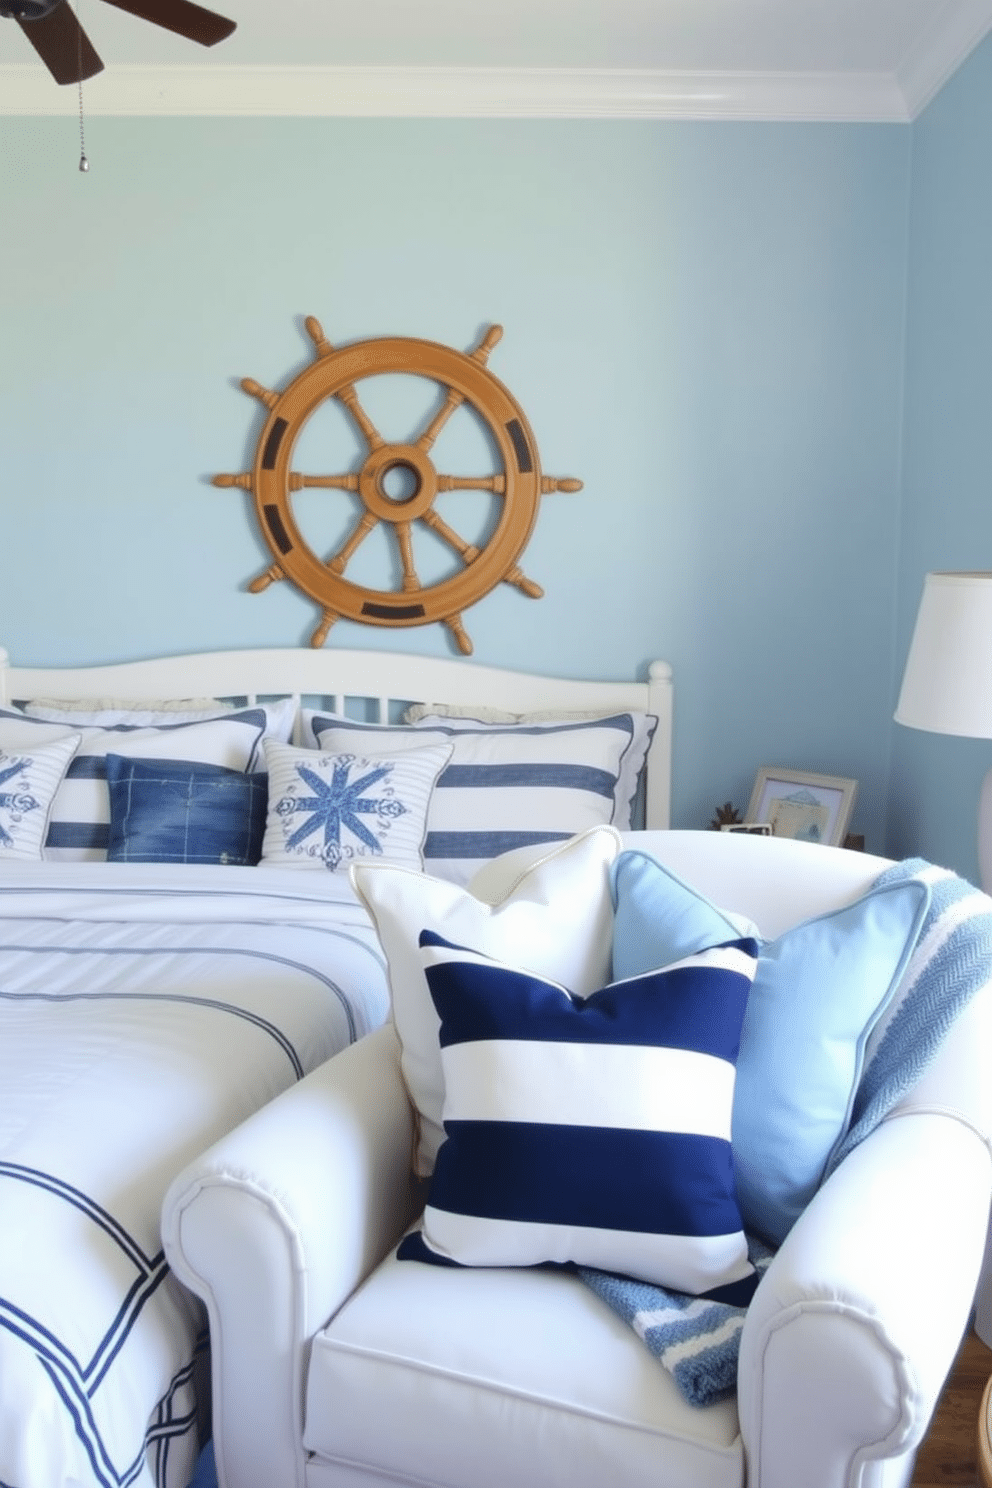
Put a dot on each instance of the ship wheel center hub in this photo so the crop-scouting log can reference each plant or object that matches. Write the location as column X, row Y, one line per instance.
column 397, row 483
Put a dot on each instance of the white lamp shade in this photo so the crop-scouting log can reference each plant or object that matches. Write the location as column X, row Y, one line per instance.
column 947, row 685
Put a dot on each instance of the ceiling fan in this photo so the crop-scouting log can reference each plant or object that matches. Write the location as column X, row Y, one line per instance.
column 62, row 44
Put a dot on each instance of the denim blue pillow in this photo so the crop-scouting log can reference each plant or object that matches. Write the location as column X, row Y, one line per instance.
column 178, row 811
column 818, row 992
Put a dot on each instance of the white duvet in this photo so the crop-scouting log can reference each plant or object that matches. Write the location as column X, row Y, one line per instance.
column 144, row 1011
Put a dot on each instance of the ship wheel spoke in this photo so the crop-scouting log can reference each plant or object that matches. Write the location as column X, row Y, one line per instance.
column 519, row 580
column 495, row 483
column 460, row 634
column 271, row 575
column 298, row 482
column 454, row 399
column 365, row 524
column 469, row 552
column 349, row 398
column 466, row 551
column 404, row 539
column 327, row 619
column 345, row 394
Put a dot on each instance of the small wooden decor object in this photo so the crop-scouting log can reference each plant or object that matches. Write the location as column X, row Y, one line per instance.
column 517, row 483
column 985, row 1437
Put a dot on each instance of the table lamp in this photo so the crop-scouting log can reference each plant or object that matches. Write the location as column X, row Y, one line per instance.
column 947, row 684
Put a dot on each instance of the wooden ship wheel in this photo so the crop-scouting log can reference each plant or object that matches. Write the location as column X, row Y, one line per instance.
column 396, row 485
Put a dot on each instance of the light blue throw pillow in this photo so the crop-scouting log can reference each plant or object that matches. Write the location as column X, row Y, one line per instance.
column 659, row 919
column 589, row 1129
column 818, row 992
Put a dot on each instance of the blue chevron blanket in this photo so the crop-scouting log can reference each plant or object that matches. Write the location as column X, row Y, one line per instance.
column 950, row 964
column 697, row 1338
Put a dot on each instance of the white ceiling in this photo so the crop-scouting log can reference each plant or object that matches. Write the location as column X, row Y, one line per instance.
column 874, row 60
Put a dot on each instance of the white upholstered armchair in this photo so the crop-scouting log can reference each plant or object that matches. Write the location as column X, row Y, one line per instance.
column 335, row 1363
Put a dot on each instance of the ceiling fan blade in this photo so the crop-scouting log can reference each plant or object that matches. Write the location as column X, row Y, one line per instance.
column 62, row 45
column 181, row 16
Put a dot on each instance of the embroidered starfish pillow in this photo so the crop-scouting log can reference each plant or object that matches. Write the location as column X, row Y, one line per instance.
column 28, row 782
column 329, row 810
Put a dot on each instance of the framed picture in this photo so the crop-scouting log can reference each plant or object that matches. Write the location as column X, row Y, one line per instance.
column 809, row 808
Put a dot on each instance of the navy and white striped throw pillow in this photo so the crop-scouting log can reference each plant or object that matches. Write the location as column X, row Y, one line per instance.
column 590, row 1130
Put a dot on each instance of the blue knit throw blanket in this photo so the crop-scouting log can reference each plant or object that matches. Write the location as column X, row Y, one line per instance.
column 696, row 1338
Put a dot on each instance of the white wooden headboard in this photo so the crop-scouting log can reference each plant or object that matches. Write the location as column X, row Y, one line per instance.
column 381, row 679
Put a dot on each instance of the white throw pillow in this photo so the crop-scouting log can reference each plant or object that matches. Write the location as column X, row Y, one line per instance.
column 329, row 810
column 555, row 918
column 28, row 782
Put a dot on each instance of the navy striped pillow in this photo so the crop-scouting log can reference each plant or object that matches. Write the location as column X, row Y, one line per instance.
column 594, row 1131
column 505, row 788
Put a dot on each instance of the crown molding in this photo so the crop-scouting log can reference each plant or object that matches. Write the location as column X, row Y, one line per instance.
column 205, row 89
column 520, row 93
column 469, row 92
column 940, row 50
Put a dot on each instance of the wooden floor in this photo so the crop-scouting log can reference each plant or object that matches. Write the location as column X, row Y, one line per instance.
column 947, row 1458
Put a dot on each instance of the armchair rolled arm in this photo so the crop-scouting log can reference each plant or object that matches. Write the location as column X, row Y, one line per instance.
column 274, row 1227
column 846, row 1344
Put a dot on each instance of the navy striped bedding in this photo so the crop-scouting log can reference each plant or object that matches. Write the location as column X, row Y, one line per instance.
column 144, row 1011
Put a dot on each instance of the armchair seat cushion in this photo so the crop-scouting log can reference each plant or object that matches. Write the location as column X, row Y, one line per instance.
column 532, row 1375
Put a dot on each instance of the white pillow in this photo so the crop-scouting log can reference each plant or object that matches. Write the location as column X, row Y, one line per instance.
column 417, row 712
column 504, row 787
column 28, row 782
column 79, row 825
column 329, row 810
column 106, row 712
column 555, row 917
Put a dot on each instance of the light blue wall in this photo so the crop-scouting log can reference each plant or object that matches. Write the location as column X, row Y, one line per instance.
column 703, row 322
column 947, row 504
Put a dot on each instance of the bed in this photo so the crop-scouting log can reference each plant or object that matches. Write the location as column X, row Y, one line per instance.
column 165, row 968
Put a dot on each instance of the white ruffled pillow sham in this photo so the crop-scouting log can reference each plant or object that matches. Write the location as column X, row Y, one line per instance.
column 107, row 712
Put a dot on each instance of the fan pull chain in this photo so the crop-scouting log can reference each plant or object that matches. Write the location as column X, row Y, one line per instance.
column 84, row 164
